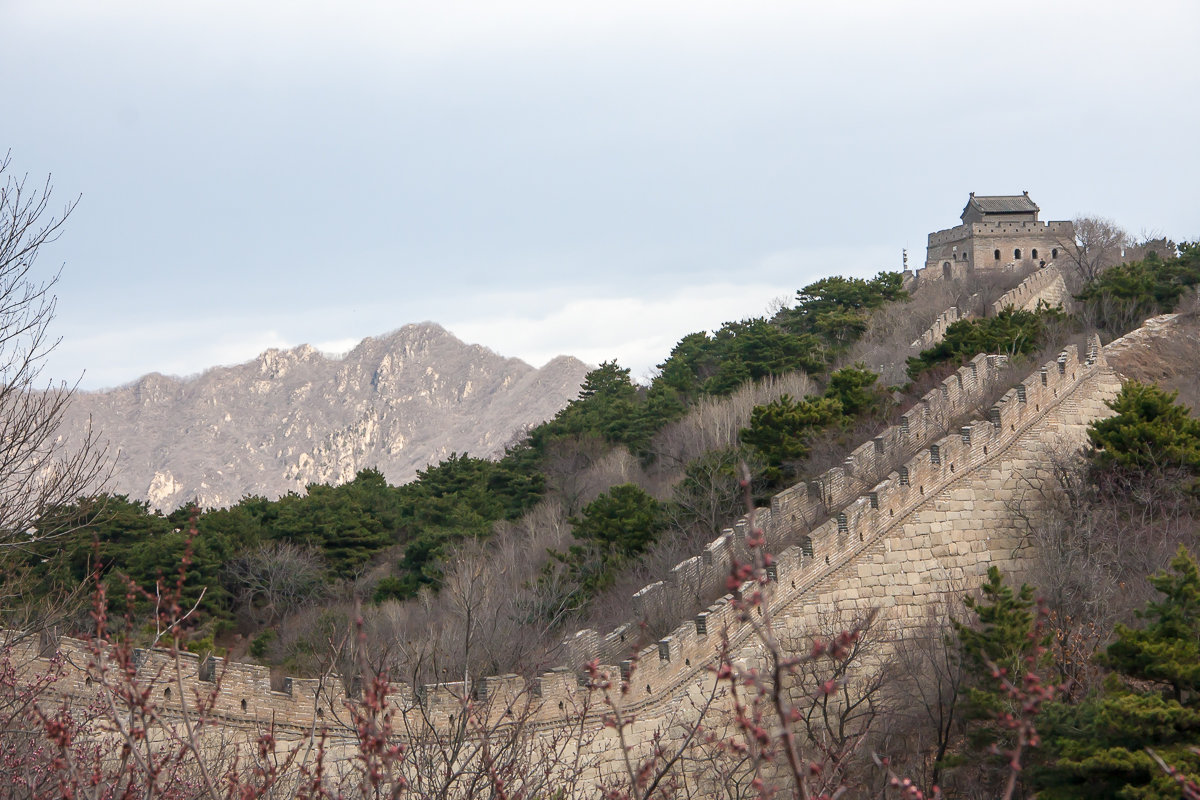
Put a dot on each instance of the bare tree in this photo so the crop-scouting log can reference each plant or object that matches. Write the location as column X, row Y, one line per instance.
column 1098, row 244
column 1092, row 535
column 925, row 720
column 276, row 579
column 36, row 471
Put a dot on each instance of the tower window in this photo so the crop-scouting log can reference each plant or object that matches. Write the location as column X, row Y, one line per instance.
column 1017, row 253
column 1033, row 253
column 1054, row 253
column 996, row 255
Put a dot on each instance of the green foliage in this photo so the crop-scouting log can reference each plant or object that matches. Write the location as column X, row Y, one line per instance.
column 623, row 521
column 857, row 389
column 618, row 525
column 1010, row 332
column 334, row 521
column 203, row 646
column 350, row 525
column 781, row 431
column 1149, row 432
column 1001, row 634
column 262, row 643
column 829, row 316
column 1167, row 650
column 459, row 499
column 1121, row 297
column 118, row 540
column 1003, row 641
column 837, row 309
column 609, row 406
column 391, row 588
column 1098, row 748
column 738, row 352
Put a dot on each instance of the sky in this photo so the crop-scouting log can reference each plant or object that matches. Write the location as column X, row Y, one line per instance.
column 551, row 177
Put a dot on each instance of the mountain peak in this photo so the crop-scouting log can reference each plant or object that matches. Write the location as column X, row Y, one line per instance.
column 291, row 417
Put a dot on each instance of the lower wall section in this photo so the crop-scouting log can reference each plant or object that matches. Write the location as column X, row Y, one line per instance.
column 943, row 547
column 934, row 531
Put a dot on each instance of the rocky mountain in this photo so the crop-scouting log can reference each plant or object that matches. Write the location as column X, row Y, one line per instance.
column 290, row 418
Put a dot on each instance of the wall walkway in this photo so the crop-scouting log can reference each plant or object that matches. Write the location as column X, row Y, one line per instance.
column 930, row 526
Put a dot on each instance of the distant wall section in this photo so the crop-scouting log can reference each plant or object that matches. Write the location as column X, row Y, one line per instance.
column 1046, row 286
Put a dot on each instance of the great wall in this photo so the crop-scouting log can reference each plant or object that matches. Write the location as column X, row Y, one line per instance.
column 1044, row 286
column 918, row 512
column 933, row 525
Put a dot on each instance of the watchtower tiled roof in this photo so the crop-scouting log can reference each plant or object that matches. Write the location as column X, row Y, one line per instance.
column 1001, row 204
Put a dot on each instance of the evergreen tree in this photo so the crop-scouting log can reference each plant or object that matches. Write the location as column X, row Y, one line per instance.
column 781, row 430
column 609, row 405
column 1010, row 332
column 1150, row 431
column 1099, row 748
column 856, row 389
column 1118, row 299
column 623, row 521
column 837, row 307
column 618, row 525
column 1003, row 644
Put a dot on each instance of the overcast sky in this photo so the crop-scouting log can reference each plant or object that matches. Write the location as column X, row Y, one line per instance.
column 548, row 177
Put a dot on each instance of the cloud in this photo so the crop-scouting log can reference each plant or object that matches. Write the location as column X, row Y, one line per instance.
column 595, row 316
column 637, row 332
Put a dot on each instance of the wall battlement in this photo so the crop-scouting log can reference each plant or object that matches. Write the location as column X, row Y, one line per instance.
column 813, row 528
column 937, row 331
column 937, row 271
column 962, row 232
column 997, row 244
column 1046, row 284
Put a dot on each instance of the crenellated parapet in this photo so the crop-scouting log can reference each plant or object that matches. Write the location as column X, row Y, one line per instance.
column 816, row 523
column 995, row 244
column 937, row 331
column 1046, row 285
column 814, row 529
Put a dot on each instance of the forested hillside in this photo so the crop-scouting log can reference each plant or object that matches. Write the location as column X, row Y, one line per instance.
column 480, row 567
column 588, row 506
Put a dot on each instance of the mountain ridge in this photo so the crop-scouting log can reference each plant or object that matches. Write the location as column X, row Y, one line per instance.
column 287, row 418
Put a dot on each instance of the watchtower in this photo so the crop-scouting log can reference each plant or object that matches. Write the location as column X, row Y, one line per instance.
column 998, row 232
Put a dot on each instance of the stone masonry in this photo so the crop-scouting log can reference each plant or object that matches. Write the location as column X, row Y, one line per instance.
column 930, row 526
column 999, row 232
column 1046, row 285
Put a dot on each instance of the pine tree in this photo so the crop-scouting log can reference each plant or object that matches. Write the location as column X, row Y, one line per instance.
column 1150, row 431
column 1003, row 645
column 782, row 429
column 1101, row 747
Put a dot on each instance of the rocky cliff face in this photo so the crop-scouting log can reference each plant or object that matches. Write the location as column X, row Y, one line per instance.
column 289, row 418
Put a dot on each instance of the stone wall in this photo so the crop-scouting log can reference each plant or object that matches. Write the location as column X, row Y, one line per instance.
column 937, row 331
column 938, row 270
column 849, row 541
column 836, row 544
column 976, row 244
column 1044, row 286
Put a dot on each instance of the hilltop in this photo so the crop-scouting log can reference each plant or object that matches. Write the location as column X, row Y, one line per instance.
column 396, row 403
